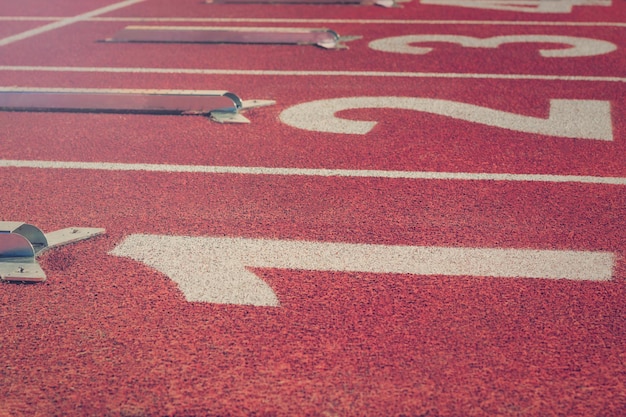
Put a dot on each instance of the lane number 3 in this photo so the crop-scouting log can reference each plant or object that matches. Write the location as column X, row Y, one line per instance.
column 576, row 46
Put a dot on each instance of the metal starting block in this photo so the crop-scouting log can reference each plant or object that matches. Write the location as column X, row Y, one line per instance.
column 324, row 38
column 221, row 106
column 21, row 243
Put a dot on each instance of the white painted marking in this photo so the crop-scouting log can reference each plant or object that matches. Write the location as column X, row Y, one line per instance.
column 578, row 46
column 214, row 270
column 199, row 71
column 314, row 172
column 580, row 119
column 325, row 21
column 65, row 22
column 525, row 6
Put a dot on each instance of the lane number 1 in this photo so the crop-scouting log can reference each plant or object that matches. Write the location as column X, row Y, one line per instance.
column 215, row 269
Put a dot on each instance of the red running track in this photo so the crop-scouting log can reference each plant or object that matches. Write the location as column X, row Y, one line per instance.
column 109, row 335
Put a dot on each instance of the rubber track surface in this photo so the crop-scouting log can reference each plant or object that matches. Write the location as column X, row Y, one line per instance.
column 110, row 335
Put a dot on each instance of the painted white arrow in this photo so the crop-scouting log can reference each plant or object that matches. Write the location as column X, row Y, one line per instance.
column 213, row 270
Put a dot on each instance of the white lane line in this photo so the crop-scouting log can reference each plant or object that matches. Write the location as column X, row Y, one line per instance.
column 65, row 22
column 199, row 71
column 331, row 21
column 215, row 270
column 313, row 172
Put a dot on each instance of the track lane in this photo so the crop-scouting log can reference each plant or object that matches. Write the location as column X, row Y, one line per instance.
column 36, row 32
column 9, row 28
column 56, row 8
column 376, row 335
column 467, row 146
column 85, row 41
column 413, row 9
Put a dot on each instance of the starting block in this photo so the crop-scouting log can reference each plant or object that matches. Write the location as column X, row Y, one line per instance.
column 21, row 243
column 220, row 106
column 324, row 38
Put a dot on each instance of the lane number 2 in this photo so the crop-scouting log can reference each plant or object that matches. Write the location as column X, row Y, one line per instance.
column 579, row 119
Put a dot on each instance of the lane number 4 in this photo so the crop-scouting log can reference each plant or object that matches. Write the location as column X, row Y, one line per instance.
column 524, row 6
